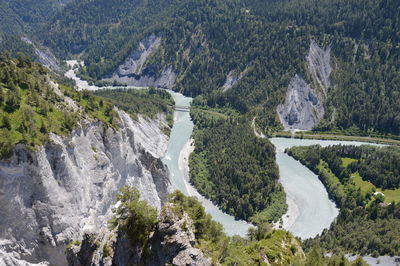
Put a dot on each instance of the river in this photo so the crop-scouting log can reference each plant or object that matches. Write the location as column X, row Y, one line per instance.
column 176, row 158
column 177, row 154
column 309, row 209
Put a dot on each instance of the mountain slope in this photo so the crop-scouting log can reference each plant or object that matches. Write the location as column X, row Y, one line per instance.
column 25, row 16
column 265, row 43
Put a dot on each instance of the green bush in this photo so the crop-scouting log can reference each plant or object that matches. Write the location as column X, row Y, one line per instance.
column 136, row 217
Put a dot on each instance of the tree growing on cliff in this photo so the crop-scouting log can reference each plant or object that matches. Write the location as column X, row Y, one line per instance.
column 136, row 217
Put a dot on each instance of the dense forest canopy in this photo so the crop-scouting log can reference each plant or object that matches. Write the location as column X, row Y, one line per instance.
column 265, row 42
column 234, row 168
column 149, row 102
column 24, row 16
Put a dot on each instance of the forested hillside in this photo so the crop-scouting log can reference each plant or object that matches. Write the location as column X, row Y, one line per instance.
column 364, row 183
column 24, row 16
column 264, row 42
column 9, row 20
column 234, row 168
column 32, row 105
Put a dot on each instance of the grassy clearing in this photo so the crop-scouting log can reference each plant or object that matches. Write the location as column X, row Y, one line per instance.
column 366, row 186
column 347, row 161
column 324, row 168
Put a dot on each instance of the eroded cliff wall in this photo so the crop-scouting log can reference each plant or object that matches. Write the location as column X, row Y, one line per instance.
column 303, row 107
column 67, row 187
column 134, row 72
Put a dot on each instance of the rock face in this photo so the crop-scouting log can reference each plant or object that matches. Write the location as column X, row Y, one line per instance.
column 50, row 196
column 174, row 239
column 134, row 73
column 45, row 56
column 304, row 106
column 170, row 244
column 318, row 61
column 231, row 79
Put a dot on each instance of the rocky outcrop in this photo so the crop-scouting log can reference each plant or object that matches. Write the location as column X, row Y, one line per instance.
column 171, row 244
column 134, row 71
column 134, row 64
column 50, row 196
column 44, row 55
column 231, row 79
column 303, row 107
column 173, row 241
column 318, row 62
column 81, row 253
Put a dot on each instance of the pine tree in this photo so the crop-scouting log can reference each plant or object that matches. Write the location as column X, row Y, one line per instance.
column 6, row 122
column 1, row 95
column 43, row 128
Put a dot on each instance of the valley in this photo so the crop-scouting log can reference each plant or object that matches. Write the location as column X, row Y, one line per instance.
column 199, row 132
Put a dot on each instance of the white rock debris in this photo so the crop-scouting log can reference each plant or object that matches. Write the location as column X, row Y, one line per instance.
column 302, row 108
column 44, row 54
column 304, row 105
column 134, row 71
column 231, row 79
column 318, row 61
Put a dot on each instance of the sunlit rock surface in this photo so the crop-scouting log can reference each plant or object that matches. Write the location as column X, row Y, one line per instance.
column 134, row 71
column 172, row 243
column 318, row 61
column 231, row 79
column 44, row 54
column 50, row 196
column 303, row 107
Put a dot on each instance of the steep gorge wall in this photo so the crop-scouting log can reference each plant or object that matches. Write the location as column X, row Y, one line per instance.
column 67, row 187
column 134, row 71
column 303, row 107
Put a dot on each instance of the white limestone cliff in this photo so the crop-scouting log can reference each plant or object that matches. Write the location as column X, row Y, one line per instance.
column 134, row 72
column 303, row 107
column 319, row 66
column 53, row 195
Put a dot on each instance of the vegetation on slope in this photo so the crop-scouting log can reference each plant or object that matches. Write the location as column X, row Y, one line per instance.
column 149, row 102
column 266, row 40
column 234, row 168
column 262, row 246
column 24, row 16
column 14, row 46
column 263, row 243
column 30, row 108
column 134, row 216
column 365, row 225
column 31, row 105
